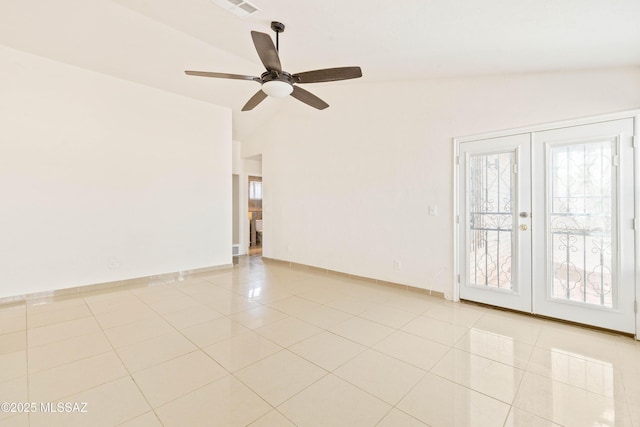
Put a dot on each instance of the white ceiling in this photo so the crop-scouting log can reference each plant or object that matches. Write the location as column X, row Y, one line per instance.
column 153, row 41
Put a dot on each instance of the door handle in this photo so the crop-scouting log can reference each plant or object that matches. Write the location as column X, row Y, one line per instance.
column 523, row 227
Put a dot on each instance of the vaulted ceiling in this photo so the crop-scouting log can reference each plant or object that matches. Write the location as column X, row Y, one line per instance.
column 153, row 41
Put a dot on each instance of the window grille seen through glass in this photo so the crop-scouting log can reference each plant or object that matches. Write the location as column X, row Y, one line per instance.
column 581, row 233
column 490, row 192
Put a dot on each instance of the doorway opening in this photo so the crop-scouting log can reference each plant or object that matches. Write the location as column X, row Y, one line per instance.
column 255, row 215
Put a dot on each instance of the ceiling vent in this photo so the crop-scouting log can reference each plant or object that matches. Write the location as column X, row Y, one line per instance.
column 240, row 8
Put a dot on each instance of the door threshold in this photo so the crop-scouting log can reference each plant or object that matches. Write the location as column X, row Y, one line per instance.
column 539, row 316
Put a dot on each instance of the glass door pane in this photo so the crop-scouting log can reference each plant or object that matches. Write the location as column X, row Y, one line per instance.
column 581, row 209
column 490, row 195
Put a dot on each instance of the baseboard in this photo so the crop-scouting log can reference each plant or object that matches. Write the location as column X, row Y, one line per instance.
column 135, row 282
column 298, row 266
column 181, row 275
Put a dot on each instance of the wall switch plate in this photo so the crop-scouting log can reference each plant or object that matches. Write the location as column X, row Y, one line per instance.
column 112, row 263
column 433, row 210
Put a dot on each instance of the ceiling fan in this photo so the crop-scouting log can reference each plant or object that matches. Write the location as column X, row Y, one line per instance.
column 278, row 83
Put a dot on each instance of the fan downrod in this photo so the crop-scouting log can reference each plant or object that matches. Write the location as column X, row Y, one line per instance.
column 278, row 27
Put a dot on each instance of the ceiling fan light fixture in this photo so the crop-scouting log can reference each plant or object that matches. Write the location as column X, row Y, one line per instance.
column 277, row 88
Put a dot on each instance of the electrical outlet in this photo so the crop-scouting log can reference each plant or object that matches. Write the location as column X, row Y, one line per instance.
column 396, row 265
column 433, row 210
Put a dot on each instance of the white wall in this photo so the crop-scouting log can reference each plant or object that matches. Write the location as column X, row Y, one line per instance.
column 102, row 179
column 348, row 188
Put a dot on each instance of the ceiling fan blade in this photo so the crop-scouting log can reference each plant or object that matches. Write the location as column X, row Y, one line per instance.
column 222, row 75
column 308, row 98
column 328, row 75
column 255, row 100
column 266, row 51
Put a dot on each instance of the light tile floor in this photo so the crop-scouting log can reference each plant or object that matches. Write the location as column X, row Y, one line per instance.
column 266, row 345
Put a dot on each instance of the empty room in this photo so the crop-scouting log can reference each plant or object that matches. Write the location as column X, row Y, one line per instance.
column 278, row 213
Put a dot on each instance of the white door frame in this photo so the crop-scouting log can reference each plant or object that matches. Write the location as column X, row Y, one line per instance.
column 635, row 114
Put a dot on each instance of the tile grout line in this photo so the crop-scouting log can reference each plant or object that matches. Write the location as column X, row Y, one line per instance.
column 26, row 353
column 129, row 375
column 201, row 349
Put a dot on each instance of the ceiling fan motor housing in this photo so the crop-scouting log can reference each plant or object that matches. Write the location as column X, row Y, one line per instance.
column 277, row 84
column 271, row 75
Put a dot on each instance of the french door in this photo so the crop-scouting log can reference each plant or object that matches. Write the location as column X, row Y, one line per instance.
column 546, row 223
